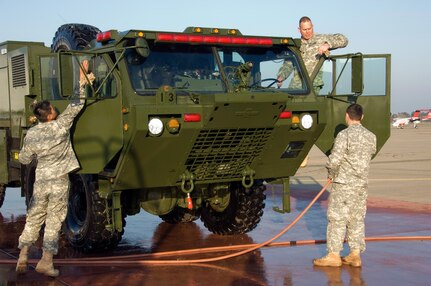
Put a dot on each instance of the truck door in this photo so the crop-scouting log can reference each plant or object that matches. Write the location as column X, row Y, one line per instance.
column 355, row 78
column 98, row 133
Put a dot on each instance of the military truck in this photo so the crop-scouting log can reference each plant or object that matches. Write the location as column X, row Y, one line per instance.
column 184, row 125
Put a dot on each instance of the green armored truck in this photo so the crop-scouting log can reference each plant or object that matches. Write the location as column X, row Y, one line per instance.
column 184, row 125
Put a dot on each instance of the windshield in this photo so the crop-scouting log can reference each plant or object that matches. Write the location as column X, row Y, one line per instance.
column 205, row 69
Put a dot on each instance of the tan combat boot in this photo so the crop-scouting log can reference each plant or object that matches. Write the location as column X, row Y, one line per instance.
column 45, row 265
column 353, row 259
column 331, row 259
column 21, row 266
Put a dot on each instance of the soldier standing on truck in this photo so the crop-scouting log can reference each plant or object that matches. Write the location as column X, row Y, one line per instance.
column 49, row 143
column 313, row 47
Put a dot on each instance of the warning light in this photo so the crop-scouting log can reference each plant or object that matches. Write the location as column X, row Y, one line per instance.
column 192, row 117
column 285, row 115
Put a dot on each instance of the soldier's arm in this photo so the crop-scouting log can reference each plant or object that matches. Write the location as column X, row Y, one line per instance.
column 337, row 154
column 285, row 70
column 336, row 41
column 26, row 154
column 66, row 118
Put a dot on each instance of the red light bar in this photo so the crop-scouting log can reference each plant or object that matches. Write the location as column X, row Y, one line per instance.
column 192, row 117
column 203, row 39
column 103, row 37
column 285, row 115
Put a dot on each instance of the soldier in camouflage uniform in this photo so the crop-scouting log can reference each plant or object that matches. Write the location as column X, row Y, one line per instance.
column 313, row 47
column 49, row 143
column 348, row 168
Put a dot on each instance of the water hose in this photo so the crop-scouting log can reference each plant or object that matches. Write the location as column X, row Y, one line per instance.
column 137, row 259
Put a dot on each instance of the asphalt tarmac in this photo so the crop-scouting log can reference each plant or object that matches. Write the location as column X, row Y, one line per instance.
column 399, row 205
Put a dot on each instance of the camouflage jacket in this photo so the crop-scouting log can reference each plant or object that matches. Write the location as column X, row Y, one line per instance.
column 350, row 157
column 50, row 143
column 310, row 53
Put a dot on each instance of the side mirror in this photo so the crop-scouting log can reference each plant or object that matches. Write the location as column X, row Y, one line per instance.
column 142, row 47
column 65, row 68
column 357, row 74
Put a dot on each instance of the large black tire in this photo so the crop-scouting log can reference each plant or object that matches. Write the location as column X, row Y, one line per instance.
column 2, row 194
column 87, row 216
column 28, row 176
column 181, row 215
column 241, row 215
column 73, row 37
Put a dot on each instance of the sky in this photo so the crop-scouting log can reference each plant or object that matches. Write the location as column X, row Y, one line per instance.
column 399, row 28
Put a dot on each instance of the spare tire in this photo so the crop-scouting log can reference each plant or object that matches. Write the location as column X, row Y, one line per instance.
column 73, row 37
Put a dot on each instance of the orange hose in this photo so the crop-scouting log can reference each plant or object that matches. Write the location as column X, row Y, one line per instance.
column 122, row 261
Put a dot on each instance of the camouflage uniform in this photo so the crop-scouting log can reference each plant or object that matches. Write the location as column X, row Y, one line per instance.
column 50, row 142
column 348, row 167
column 310, row 55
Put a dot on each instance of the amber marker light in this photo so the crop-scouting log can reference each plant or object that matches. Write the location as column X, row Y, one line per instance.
column 173, row 125
column 126, row 127
column 216, row 31
column 284, row 41
column 197, row 30
column 295, row 119
column 141, row 34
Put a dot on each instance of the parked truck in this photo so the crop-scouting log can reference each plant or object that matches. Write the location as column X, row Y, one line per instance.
column 184, row 125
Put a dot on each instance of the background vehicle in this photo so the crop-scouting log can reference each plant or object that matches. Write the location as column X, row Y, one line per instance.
column 182, row 125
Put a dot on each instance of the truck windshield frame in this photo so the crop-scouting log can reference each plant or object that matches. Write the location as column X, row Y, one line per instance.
column 209, row 69
column 97, row 78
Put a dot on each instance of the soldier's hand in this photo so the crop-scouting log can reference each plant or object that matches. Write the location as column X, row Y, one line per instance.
column 324, row 49
column 279, row 81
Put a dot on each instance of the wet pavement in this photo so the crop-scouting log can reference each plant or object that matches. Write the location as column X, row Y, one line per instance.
column 399, row 205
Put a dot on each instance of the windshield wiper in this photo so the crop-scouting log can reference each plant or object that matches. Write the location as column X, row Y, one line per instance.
column 223, row 76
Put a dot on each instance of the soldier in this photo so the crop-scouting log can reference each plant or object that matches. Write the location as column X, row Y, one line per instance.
column 313, row 47
column 348, row 167
column 49, row 143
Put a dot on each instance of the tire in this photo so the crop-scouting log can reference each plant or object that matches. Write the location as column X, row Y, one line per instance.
column 87, row 216
column 243, row 213
column 181, row 215
column 2, row 194
column 73, row 37
column 28, row 176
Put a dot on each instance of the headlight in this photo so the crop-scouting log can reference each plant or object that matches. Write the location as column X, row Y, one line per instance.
column 155, row 126
column 306, row 121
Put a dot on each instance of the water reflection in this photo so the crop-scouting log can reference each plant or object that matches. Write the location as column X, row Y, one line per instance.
column 335, row 278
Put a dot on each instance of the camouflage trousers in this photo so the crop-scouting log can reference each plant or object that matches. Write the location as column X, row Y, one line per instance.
column 48, row 205
column 346, row 214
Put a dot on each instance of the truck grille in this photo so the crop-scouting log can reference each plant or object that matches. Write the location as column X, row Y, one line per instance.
column 224, row 153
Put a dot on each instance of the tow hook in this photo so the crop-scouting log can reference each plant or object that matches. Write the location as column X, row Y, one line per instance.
column 187, row 187
column 248, row 176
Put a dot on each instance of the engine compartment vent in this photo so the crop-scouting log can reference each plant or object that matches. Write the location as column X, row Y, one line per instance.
column 18, row 71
